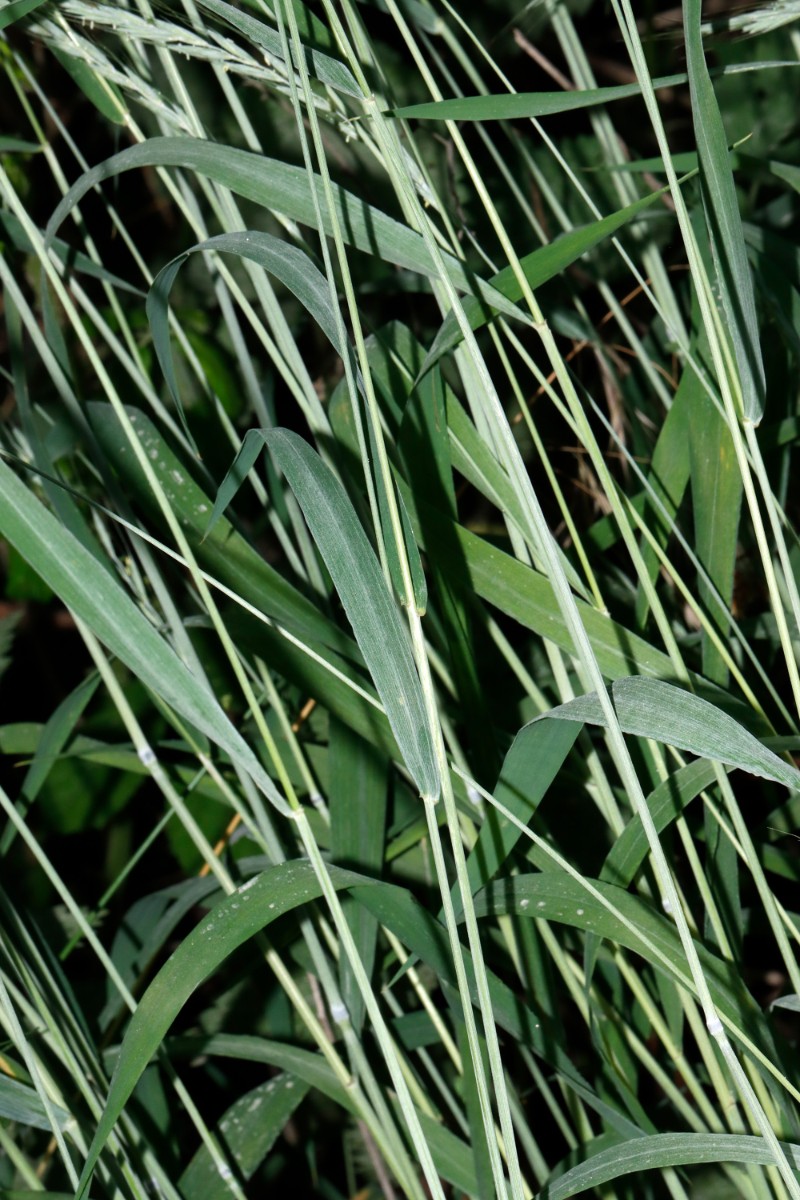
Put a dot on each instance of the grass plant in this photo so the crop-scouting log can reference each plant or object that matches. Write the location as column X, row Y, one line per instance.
column 400, row 679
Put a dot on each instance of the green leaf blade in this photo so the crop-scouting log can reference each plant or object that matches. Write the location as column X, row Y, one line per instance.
column 283, row 188
column 651, row 708
column 233, row 922
column 538, row 267
column 84, row 584
column 370, row 608
column 659, row 1151
column 250, row 1128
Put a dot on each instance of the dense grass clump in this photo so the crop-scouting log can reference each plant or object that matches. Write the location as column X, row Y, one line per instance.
column 401, row 624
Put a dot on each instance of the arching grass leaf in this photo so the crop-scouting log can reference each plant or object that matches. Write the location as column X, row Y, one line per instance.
column 229, row 925
column 651, row 708
column 611, row 912
column 426, row 938
column 284, row 188
column 660, row 1151
column 286, row 262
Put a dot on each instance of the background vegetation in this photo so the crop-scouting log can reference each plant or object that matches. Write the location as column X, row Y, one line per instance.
column 399, row 642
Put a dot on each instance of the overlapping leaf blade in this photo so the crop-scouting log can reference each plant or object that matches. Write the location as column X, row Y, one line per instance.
column 282, row 188
column 230, row 924
column 651, row 708
column 383, row 639
column 90, row 589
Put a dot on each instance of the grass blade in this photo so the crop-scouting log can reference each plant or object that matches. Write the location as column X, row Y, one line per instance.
column 659, row 1151
column 537, row 267
column 723, row 220
column 528, row 770
column 326, row 69
column 512, row 106
column 515, row 105
column 16, row 10
column 288, row 263
column 21, row 1103
column 281, row 188
column 527, row 595
column 358, row 801
column 716, row 506
column 233, row 922
column 653, row 709
column 222, row 550
column 611, row 912
column 80, row 580
column 249, row 1129
column 369, row 605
